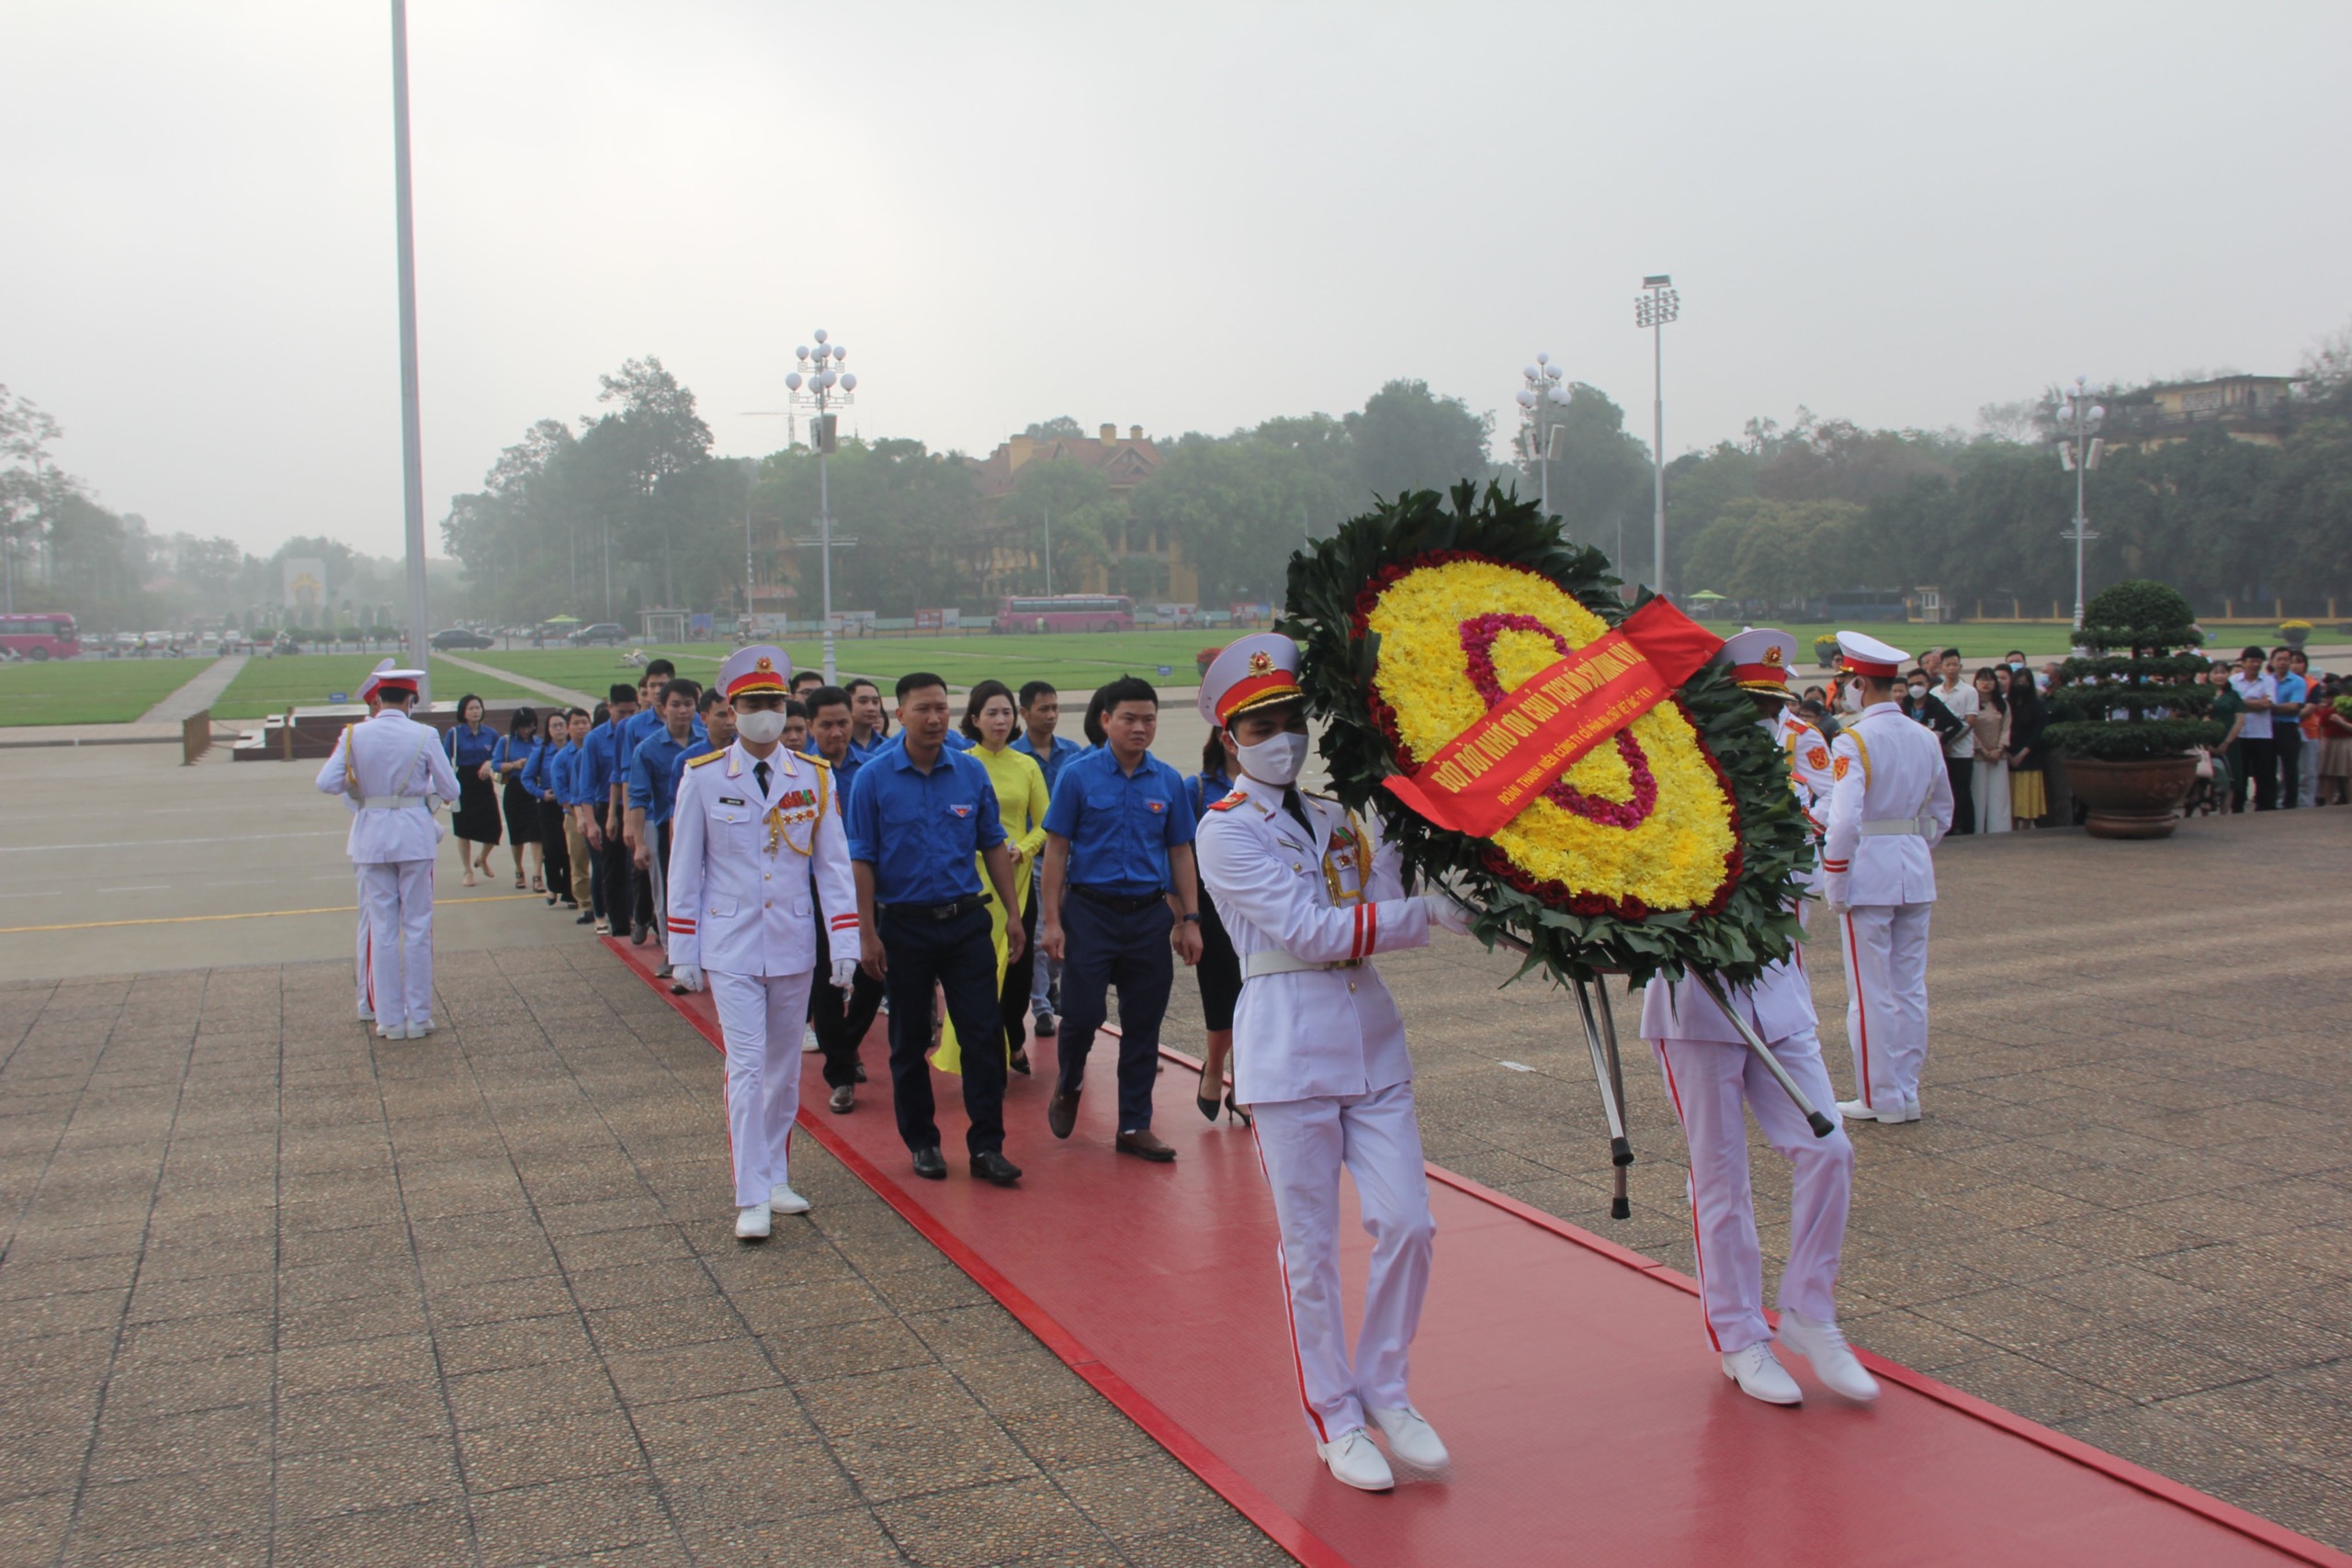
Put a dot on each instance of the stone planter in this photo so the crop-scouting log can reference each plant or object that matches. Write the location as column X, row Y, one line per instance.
column 2294, row 637
column 2132, row 800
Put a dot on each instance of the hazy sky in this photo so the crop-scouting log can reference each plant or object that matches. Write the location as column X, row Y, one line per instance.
column 1186, row 217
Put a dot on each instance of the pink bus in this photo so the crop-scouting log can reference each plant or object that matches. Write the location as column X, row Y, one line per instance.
column 1067, row 612
column 44, row 634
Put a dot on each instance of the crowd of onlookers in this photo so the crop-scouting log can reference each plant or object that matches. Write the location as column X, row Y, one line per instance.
column 2287, row 742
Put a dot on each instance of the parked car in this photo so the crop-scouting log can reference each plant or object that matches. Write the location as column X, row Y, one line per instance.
column 459, row 637
column 609, row 633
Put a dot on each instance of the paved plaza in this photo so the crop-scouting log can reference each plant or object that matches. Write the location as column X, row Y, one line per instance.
column 274, row 1291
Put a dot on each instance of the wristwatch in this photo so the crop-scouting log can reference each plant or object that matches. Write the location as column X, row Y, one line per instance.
column 1191, row 915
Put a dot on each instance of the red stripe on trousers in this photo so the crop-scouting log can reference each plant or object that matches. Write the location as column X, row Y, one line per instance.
column 1699, row 1253
column 1862, row 1012
column 1290, row 1319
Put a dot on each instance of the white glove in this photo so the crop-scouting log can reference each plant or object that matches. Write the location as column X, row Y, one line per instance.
column 845, row 972
column 1445, row 912
column 686, row 976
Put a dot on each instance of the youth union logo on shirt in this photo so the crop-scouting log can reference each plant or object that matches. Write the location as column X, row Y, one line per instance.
column 961, row 810
column 1155, row 806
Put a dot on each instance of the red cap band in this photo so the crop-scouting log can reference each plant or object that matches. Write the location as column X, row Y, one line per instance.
column 1872, row 667
column 1250, row 691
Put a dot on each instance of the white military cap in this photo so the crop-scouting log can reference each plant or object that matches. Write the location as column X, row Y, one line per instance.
column 761, row 667
column 1251, row 672
column 389, row 681
column 1865, row 655
column 368, row 687
column 1759, row 658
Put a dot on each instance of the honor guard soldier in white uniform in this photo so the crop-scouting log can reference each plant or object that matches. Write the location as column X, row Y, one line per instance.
column 364, row 948
column 1762, row 667
column 755, row 835
column 1891, row 804
column 1309, row 893
column 1710, row 1075
column 394, row 770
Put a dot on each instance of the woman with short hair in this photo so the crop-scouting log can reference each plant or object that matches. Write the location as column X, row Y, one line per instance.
column 507, row 762
column 469, row 743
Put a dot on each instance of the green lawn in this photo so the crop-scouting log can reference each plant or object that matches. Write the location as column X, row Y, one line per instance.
column 304, row 680
column 90, row 691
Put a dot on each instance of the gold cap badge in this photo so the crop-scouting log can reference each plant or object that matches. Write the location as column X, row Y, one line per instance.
column 1262, row 664
column 1772, row 656
column 765, row 662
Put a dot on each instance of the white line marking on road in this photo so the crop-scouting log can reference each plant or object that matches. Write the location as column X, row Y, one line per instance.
column 142, row 887
column 51, row 893
column 1519, row 1066
column 151, row 843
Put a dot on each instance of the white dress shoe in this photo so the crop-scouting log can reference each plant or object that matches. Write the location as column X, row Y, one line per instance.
column 367, row 1015
column 808, row 1046
column 1855, row 1111
column 1907, row 1111
column 783, row 1200
column 419, row 1030
column 1832, row 1359
column 1759, row 1375
column 1911, row 1109
column 391, row 1032
column 1411, row 1439
column 1354, row 1462
column 751, row 1223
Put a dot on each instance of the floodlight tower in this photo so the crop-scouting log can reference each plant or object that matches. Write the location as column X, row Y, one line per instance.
column 1538, row 399
column 824, row 387
column 2078, row 451
column 1653, row 310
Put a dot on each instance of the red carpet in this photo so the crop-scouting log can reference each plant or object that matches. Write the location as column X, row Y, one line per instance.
column 1570, row 1377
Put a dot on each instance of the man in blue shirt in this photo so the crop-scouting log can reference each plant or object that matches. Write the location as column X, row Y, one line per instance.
column 1041, row 710
column 653, row 792
column 1119, row 840
column 841, row 1017
column 714, row 727
column 556, row 768
column 918, row 816
column 577, row 854
column 2287, row 726
column 604, row 778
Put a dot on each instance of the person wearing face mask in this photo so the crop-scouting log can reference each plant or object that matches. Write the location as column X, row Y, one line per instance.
column 1890, row 804
column 757, row 840
column 1309, row 892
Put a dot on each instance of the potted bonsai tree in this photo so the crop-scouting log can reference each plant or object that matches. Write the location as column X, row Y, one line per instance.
column 2132, row 710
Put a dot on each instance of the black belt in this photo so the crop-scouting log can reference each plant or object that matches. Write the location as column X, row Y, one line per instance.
column 1121, row 903
column 948, row 911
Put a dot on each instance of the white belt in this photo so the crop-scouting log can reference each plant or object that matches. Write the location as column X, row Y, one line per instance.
column 1274, row 961
column 1917, row 826
column 395, row 802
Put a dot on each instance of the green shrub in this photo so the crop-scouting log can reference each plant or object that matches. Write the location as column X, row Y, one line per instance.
column 2138, row 690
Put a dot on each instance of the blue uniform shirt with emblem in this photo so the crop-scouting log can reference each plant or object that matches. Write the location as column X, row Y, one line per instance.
column 556, row 770
column 1050, row 763
column 1120, row 825
column 653, row 776
column 596, row 764
column 919, row 831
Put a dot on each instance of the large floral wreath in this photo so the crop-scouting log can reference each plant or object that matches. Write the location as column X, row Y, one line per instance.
column 1673, row 845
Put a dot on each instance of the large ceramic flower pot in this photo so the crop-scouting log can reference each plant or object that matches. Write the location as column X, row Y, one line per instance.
column 2132, row 800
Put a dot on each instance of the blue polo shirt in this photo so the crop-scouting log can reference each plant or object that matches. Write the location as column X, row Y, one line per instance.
column 1050, row 763
column 556, row 775
column 920, row 831
column 863, row 750
column 535, row 772
column 653, row 776
column 1120, row 826
column 2292, row 688
column 574, row 760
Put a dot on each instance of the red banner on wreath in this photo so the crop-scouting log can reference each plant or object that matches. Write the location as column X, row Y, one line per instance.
column 1494, row 769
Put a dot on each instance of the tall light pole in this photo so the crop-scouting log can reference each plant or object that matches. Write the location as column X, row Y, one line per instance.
column 1538, row 423
column 411, row 438
column 824, row 387
column 2076, row 418
column 1653, row 310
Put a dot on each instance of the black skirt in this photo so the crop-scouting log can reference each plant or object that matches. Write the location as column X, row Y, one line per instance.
column 477, row 817
column 1219, row 970
column 522, row 813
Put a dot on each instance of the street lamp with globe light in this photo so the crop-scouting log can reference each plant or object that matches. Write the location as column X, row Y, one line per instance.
column 2078, row 450
column 1540, row 401
column 821, row 385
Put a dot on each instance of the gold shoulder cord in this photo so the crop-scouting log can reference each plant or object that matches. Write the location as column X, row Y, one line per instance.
column 350, row 773
column 1861, row 750
column 1342, row 895
column 776, row 822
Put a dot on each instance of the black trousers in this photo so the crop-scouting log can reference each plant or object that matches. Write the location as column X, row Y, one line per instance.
column 2262, row 769
column 620, row 874
column 2287, row 739
column 842, row 1018
column 1104, row 947
column 1014, row 1002
column 1962, row 771
column 555, row 850
column 959, row 958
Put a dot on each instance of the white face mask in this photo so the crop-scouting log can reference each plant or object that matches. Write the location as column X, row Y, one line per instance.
column 1917, row 692
column 1850, row 698
column 1275, row 761
column 761, row 726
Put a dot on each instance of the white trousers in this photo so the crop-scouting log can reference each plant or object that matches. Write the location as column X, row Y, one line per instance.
column 397, row 927
column 1709, row 1081
column 1991, row 796
column 362, row 957
column 1302, row 1143
column 759, row 1019
column 1886, row 999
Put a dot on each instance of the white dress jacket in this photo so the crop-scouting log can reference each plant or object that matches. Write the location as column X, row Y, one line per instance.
column 1887, row 769
column 742, row 864
column 390, row 769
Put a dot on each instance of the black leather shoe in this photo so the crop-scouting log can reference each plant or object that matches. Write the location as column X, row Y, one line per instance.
column 861, row 1072
column 844, row 1099
column 1146, row 1145
column 990, row 1165
column 1061, row 1112
column 585, row 919
column 929, row 1165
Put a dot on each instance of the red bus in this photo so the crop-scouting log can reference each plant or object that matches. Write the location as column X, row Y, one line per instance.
column 1067, row 612
column 44, row 634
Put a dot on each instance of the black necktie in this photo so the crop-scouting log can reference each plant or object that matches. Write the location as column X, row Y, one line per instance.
column 760, row 771
column 1297, row 808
